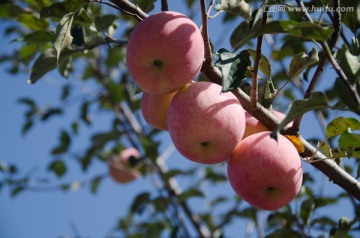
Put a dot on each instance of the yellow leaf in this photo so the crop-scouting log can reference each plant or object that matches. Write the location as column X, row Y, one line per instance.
column 297, row 143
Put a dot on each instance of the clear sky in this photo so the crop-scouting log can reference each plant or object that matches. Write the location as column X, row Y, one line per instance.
column 59, row 214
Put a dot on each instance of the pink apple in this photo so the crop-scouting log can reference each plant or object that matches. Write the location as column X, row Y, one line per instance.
column 205, row 125
column 121, row 168
column 264, row 172
column 254, row 126
column 164, row 52
column 154, row 108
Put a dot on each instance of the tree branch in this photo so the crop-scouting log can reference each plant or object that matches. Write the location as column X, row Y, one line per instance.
column 129, row 8
column 326, row 166
column 254, row 81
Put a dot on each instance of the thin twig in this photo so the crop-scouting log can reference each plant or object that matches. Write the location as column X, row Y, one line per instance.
column 254, row 81
column 207, row 45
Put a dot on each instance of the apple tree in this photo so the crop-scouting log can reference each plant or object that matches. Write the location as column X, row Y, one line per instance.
column 296, row 57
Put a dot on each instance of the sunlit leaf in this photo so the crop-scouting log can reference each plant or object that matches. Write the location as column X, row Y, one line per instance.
column 340, row 125
column 317, row 100
column 264, row 63
column 63, row 36
column 349, row 140
column 301, row 61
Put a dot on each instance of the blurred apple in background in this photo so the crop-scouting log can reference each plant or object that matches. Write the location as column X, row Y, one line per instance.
column 124, row 168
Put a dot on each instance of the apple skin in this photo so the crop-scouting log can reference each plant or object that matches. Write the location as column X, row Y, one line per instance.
column 254, row 126
column 154, row 108
column 120, row 169
column 164, row 52
column 264, row 172
column 204, row 124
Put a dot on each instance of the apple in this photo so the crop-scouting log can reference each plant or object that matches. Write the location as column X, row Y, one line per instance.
column 164, row 52
column 204, row 124
column 123, row 168
column 254, row 126
column 154, row 108
column 264, row 172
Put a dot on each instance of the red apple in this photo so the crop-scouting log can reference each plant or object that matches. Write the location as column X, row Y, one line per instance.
column 164, row 52
column 121, row 168
column 264, row 172
column 254, row 126
column 205, row 125
column 154, row 108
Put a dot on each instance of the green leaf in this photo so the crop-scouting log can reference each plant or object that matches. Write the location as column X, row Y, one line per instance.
column 47, row 62
column 175, row 172
column 351, row 18
column 38, row 4
column 26, row 127
column 103, row 22
column 349, row 140
column 39, row 36
column 233, row 67
column 63, row 145
column 145, row 5
column 213, row 176
column 317, row 100
column 63, row 36
column 58, row 167
column 346, row 98
column 303, row 30
column 16, row 191
column 340, row 125
column 95, row 182
column 264, row 63
column 301, row 61
column 190, row 193
column 140, row 202
column 50, row 112
column 27, row 101
column 307, row 207
column 284, row 232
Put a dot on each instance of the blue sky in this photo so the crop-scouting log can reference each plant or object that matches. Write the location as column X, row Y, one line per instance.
column 53, row 214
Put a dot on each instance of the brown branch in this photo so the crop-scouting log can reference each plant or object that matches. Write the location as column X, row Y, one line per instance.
column 164, row 5
column 129, row 8
column 207, row 45
column 326, row 166
column 254, row 81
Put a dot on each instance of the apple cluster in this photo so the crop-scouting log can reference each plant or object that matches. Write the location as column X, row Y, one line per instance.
column 164, row 55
